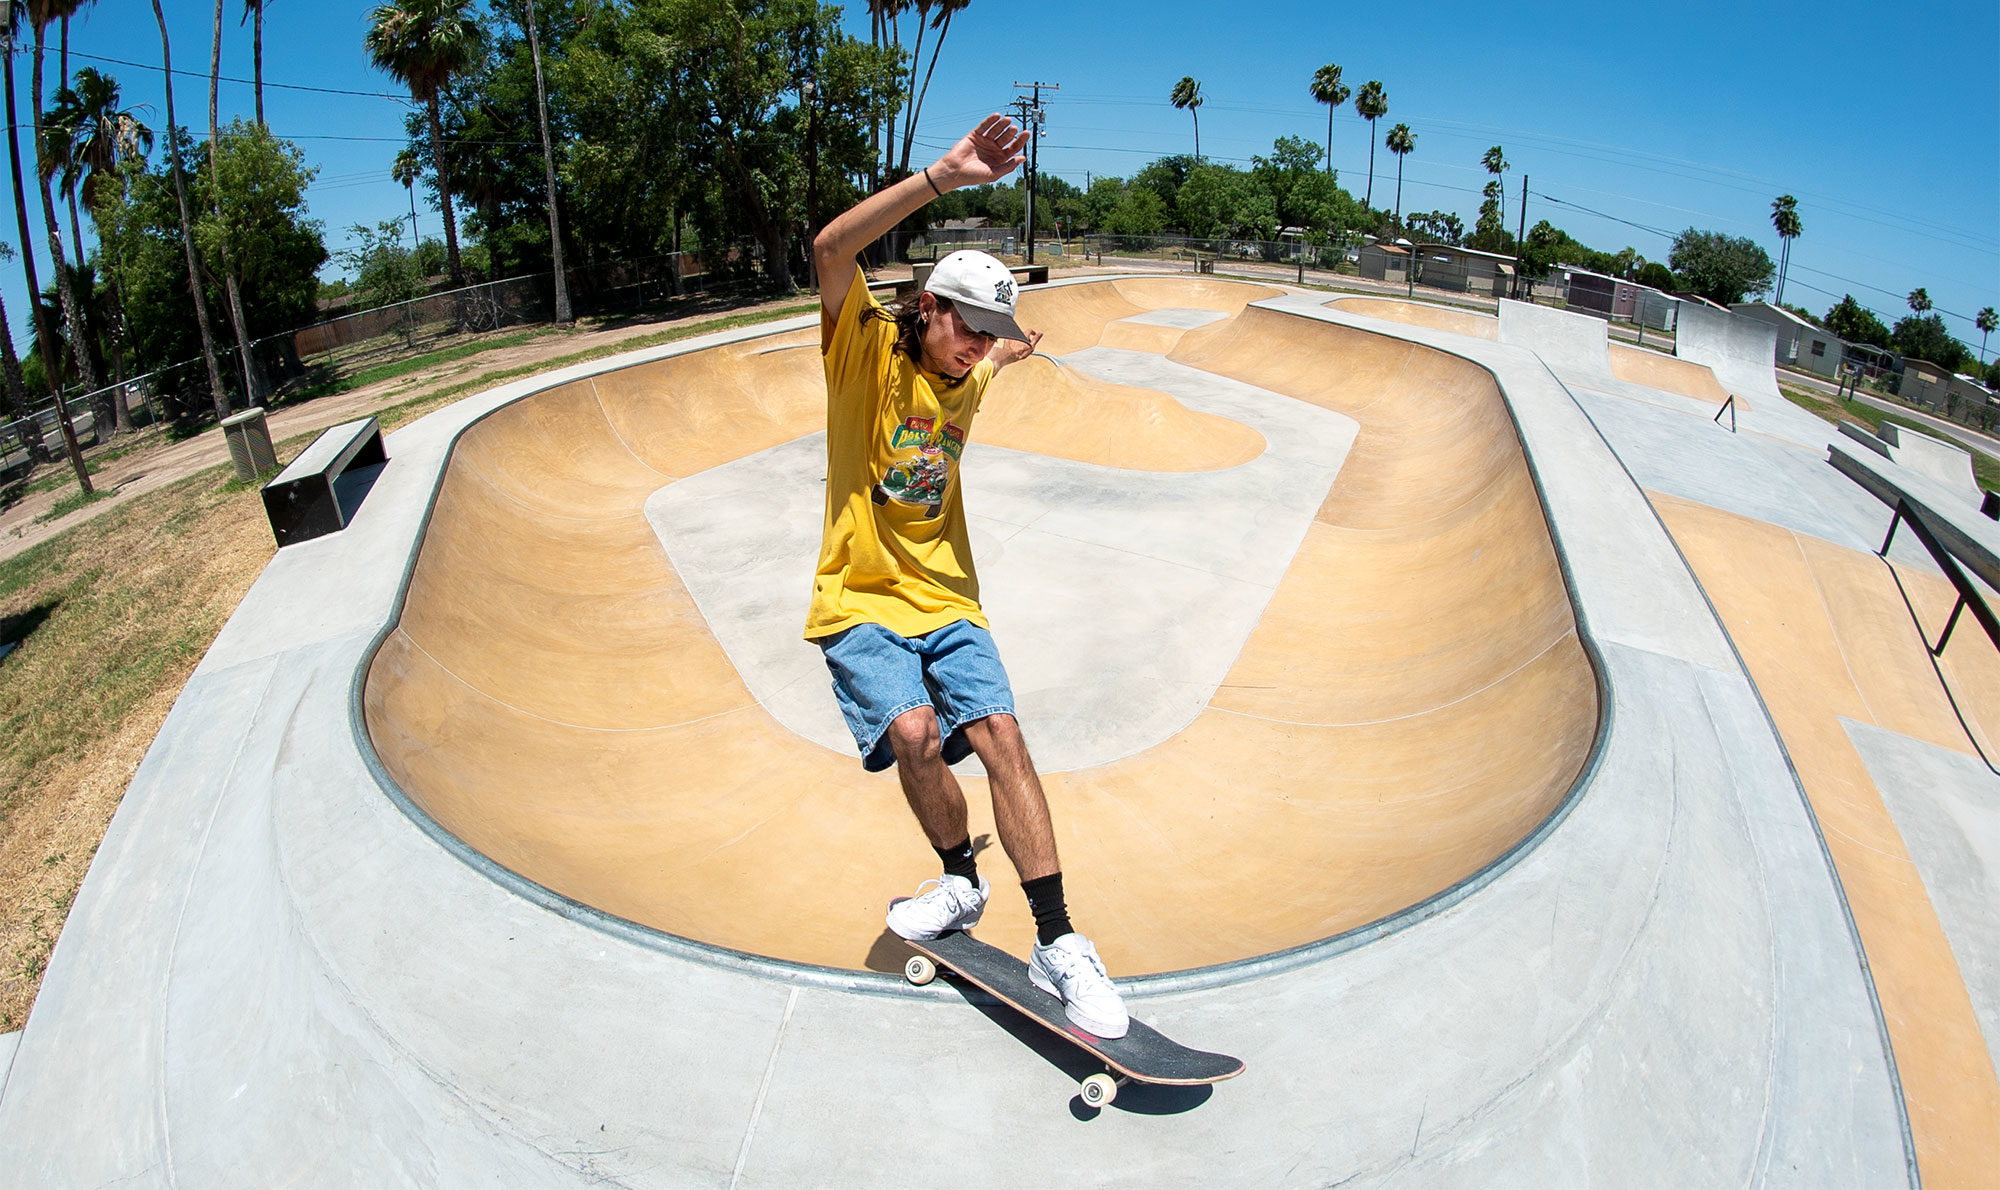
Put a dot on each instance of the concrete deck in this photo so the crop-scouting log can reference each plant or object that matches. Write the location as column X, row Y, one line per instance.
column 1639, row 967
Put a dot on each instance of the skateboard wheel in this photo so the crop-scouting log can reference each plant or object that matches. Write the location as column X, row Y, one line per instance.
column 1099, row 1089
column 919, row 970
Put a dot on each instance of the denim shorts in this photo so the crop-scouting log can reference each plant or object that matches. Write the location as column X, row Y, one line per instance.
column 878, row 675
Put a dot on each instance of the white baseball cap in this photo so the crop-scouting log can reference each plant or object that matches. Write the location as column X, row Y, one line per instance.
column 981, row 289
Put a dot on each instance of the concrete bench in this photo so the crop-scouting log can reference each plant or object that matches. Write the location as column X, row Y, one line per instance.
column 321, row 489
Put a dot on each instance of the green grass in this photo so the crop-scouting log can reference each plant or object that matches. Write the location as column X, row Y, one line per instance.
column 417, row 363
column 72, row 502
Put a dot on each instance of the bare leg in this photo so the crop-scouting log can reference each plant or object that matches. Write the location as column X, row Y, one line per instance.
column 1020, row 809
column 928, row 784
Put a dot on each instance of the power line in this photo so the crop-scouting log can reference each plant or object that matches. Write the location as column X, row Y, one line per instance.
column 203, row 75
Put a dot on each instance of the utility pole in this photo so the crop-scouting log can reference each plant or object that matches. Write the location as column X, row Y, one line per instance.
column 1031, row 109
column 1521, row 242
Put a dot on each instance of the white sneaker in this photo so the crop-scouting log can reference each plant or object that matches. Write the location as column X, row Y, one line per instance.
column 1070, row 970
column 952, row 904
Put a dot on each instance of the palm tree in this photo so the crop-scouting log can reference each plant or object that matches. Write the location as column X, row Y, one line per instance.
column 215, row 385
column 405, row 171
column 422, row 44
column 1920, row 302
column 942, row 23
column 887, row 15
column 1371, row 103
column 42, row 14
column 563, row 314
column 92, row 134
column 253, row 11
column 1495, row 162
column 13, row 16
column 1987, row 321
column 232, row 282
column 1401, row 142
column 1785, row 218
column 1328, row 89
column 1187, row 97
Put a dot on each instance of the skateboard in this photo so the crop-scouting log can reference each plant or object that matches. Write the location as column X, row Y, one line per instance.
column 1142, row 1055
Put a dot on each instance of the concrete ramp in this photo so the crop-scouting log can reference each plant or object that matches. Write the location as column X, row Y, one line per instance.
column 1458, row 322
column 1740, row 351
column 1574, row 346
column 1947, row 462
column 1636, row 365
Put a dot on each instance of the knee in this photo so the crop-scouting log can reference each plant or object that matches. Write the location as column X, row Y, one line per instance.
column 913, row 736
column 998, row 734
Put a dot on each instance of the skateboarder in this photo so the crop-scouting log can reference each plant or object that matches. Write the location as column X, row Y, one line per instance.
column 895, row 603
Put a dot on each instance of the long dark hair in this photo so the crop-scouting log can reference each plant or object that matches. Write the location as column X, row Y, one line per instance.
column 908, row 316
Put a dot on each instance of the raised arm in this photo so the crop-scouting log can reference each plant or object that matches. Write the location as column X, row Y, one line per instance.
column 986, row 154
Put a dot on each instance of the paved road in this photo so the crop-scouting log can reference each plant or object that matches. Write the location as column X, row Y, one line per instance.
column 1985, row 444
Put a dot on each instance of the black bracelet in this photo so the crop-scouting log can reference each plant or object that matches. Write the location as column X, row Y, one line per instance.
column 934, row 188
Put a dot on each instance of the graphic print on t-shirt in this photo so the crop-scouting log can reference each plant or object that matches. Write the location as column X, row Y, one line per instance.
column 923, row 478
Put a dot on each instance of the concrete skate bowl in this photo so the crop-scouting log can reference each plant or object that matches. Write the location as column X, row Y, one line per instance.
column 1458, row 322
column 1413, row 704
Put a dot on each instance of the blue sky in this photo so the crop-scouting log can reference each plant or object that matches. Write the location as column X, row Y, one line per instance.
column 1883, row 120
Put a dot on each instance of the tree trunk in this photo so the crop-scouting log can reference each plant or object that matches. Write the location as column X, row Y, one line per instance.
column 217, row 389
column 1369, row 201
column 444, row 197
column 910, row 107
column 257, row 58
column 65, row 292
column 563, row 313
column 27, row 247
column 1329, row 140
column 254, row 389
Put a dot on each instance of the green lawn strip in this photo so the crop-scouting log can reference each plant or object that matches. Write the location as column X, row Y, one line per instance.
column 415, row 363
column 70, row 503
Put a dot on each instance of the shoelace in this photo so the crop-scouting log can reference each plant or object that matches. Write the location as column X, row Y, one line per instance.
column 946, row 892
column 1069, row 964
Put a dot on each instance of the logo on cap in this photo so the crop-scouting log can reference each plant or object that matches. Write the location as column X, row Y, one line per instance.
column 1003, row 292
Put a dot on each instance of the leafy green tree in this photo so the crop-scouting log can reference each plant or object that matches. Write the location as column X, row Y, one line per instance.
column 1401, row 141
column 1923, row 336
column 1658, row 276
column 278, row 248
column 1987, row 321
column 1785, row 220
column 1489, row 230
column 1186, row 97
column 1722, row 268
column 1328, row 89
column 1855, row 323
column 1438, row 227
column 1371, row 103
column 1165, row 176
column 1139, row 213
column 422, row 44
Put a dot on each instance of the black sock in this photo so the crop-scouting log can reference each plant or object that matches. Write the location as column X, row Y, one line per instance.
column 959, row 861
column 1045, row 900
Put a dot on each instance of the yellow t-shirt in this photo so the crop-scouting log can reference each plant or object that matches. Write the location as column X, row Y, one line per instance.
column 894, row 550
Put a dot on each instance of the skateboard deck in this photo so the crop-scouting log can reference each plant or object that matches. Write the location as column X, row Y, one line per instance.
column 1143, row 1054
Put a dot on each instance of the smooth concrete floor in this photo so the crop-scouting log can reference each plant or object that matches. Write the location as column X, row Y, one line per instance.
column 1264, row 615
